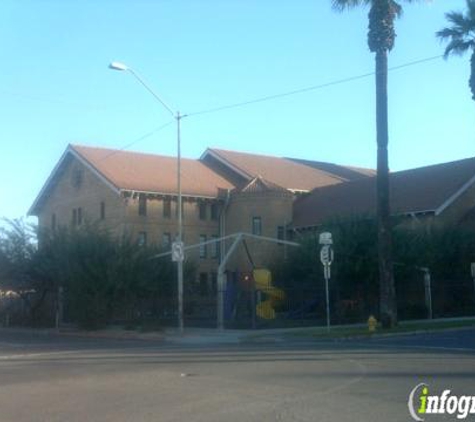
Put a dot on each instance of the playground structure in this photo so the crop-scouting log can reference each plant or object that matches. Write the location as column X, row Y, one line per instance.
column 263, row 284
column 266, row 308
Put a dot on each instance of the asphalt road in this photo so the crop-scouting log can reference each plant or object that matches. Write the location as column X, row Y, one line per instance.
column 49, row 378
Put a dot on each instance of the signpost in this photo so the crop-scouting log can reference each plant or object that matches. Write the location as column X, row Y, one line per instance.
column 326, row 258
column 178, row 253
column 472, row 271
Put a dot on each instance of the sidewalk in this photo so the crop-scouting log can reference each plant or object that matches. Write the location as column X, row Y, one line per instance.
column 211, row 336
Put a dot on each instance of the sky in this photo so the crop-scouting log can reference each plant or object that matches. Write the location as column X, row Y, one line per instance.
column 198, row 55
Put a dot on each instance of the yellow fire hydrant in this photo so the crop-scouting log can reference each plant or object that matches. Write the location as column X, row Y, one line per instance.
column 372, row 323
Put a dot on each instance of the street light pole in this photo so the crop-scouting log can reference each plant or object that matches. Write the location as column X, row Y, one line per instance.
column 177, row 116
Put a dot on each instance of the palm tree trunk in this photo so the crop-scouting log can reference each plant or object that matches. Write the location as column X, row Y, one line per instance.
column 471, row 82
column 388, row 309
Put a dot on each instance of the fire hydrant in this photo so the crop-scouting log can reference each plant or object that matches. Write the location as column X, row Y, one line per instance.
column 372, row 323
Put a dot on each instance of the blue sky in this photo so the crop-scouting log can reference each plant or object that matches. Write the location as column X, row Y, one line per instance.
column 56, row 88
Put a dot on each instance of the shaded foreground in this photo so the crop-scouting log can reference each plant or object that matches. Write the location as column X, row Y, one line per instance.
column 48, row 378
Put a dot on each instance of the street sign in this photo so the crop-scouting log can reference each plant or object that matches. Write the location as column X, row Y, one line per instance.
column 325, row 238
column 178, row 252
column 326, row 255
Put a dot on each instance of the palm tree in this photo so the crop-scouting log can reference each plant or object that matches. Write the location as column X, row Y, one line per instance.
column 381, row 37
column 461, row 37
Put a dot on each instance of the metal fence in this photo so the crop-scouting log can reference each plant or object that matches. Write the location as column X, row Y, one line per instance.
column 276, row 307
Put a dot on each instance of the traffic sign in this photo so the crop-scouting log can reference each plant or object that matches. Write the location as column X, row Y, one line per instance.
column 326, row 255
column 178, row 251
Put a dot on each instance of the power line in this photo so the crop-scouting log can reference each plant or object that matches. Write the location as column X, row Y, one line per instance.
column 148, row 134
column 273, row 97
column 307, row 89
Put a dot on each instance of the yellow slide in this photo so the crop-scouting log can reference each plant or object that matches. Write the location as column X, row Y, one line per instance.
column 263, row 280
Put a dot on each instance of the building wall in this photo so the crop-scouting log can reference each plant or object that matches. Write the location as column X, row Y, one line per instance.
column 156, row 225
column 76, row 188
column 274, row 210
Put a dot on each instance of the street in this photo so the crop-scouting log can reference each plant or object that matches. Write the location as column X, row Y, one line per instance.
column 53, row 378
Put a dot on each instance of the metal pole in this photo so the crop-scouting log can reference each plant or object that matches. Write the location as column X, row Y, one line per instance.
column 180, row 226
column 222, row 282
column 428, row 291
column 326, row 271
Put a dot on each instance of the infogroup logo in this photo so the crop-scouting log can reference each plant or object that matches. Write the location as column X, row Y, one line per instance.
column 421, row 403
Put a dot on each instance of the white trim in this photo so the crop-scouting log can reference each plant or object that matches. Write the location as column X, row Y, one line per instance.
column 173, row 194
column 299, row 190
column 455, row 196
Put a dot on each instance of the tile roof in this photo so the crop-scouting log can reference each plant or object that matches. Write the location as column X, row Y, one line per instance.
column 152, row 173
column 346, row 172
column 284, row 172
column 425, row 189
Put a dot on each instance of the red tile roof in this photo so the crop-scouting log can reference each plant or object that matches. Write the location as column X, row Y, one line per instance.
column 152, row 173
column 425, row 189
column 284, row 172
column 346, row 172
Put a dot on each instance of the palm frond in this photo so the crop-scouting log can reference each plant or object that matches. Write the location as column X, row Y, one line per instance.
column 460, row 35
column 342, row 5
column 458, row 47
column 460, row 21
column 471, row 9
column 445, row 33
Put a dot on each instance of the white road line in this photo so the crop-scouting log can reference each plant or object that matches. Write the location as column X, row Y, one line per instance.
column 35, row 355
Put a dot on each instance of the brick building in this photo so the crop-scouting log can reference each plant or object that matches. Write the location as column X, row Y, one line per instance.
column 224, row 192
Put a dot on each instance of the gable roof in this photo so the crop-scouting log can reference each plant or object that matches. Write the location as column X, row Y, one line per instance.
column 428, row 189
column 288, row 173
column 133, row 171
column 261, row 185
column 153, row 173
column 348, row 173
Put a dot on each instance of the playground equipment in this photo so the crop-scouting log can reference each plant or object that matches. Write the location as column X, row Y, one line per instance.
column 263, row 283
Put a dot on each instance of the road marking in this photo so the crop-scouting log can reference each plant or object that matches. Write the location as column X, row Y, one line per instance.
column 35, row 355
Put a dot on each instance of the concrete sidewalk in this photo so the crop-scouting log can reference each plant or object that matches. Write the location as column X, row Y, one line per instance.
column 190, row 336
column 210, row 336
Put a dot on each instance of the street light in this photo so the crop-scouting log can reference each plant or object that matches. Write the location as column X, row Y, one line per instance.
column 177, row 116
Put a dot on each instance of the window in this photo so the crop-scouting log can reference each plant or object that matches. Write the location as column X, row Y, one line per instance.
column 280, row 234
column 167, row 208
column 53, row 221
column 203, row 248
column 203, row 288
column 103, row 211
column 257, row 226
column 142, row 205
column 166, row 241
column 214, row 247
column 79, row 216
column 214, row 211
column 202, row 210
column 142, row 239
